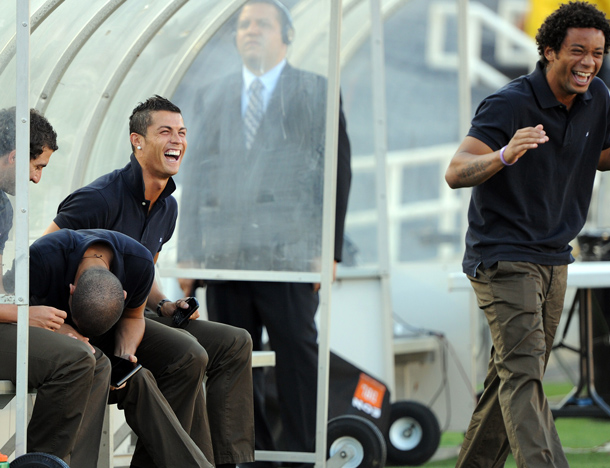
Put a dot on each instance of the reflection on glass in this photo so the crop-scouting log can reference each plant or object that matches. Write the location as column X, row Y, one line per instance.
column 253, row 176
column 7, row 187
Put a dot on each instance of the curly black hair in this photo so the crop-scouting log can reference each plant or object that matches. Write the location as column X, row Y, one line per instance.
column 42, row 134
column 570, row 15
column 141, row 116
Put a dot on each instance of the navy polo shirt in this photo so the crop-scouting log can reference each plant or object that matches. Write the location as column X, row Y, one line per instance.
column 6, row 219
column 116, row 201
column 54, row 259
column 531, row 210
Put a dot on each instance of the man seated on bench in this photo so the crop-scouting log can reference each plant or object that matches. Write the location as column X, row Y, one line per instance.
column 72, row 382
column 137, row 200
column 66, row 271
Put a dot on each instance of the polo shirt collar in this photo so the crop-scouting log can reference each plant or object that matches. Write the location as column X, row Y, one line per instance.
column 543, row 92
column 135, row 181
column 116, row 267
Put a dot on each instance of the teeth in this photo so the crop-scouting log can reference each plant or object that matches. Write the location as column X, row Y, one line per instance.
column 583, row 74
column 172, row 153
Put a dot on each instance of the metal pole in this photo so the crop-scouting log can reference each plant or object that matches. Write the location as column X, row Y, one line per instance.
column 465, row 114
column 328, row 227
column 465, row 96
column 21, row 220
column 381, row 139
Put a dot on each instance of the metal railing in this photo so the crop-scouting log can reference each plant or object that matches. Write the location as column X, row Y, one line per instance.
column 446, row 207
column 512, row 46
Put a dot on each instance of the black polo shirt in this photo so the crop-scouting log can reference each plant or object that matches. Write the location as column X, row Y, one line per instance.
column 54, row 259
column 531, row 210
column 116, row 201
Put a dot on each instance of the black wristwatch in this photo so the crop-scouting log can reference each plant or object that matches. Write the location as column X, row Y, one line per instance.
column 159, row 305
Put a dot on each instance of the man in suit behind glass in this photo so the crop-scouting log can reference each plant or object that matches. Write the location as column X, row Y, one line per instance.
column 252, row 200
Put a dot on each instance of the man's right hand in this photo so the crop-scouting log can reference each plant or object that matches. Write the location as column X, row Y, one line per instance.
column 46, row 317
column 68, row 330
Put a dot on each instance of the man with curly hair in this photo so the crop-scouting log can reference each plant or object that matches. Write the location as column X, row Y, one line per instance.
column 530, row 156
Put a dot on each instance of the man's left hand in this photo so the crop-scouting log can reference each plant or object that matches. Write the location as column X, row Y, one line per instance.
column 169, row 308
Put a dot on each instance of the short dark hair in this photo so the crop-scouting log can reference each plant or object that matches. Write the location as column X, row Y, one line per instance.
column 286, row 23
column 570, row 15
column 98, row 302
column 42, row 134
column 141, row 116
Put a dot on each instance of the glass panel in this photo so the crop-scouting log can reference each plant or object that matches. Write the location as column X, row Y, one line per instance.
column 251, row 183
column 7, row 149
column 422, row 131
column 90, row 68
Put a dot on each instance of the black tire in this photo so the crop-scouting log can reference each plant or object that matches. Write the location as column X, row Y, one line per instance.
column 362, row 436
column 38, row 460
column 413, row 434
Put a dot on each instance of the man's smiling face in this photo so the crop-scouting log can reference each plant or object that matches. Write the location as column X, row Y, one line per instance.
column 571, row 69
column 164, row 144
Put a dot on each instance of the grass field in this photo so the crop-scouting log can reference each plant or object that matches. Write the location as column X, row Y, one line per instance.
column 585, row 441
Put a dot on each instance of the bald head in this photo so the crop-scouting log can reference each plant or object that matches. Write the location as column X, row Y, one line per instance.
column 97, row 302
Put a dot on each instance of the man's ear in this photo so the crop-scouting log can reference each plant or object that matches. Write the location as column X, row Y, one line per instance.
column 549, row 54
column 72, row 289
column 12, row 156
column 136, row 139
column 124, row 294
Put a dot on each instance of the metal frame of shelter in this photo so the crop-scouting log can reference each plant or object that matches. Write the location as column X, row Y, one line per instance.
column 25, row 24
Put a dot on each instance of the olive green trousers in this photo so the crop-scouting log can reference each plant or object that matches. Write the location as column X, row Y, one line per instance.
column 523, row 303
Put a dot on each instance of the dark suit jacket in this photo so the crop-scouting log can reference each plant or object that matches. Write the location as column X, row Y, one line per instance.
column 261, row 209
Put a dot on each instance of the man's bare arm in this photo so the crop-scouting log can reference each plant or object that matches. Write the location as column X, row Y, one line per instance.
column 130, row 331
column 52, row 228
column 475, row 162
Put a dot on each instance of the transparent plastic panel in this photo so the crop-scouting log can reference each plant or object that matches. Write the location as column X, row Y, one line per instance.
column 92, row 51
column 422, row 133
column 7, row 152
column 157, row 69
column 7, row 53
column 251, row 183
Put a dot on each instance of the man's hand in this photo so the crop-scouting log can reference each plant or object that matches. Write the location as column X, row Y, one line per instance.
column 168, row 309
column 131, row 358
column 70, row 331
column 524, row 139
column 474, row 162
column 46, row 317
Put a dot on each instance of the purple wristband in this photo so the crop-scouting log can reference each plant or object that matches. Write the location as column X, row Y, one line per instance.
column 504, row 160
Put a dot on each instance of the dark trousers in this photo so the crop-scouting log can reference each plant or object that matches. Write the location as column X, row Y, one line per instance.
column 523, row 303
column 228, row 413
column 163, row 402
column 287, row 311
column 72, row 386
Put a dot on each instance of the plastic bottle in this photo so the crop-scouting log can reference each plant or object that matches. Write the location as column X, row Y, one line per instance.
column 4, row 461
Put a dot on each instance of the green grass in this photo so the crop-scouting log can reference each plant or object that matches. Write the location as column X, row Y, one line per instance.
column 579, row 437
column 585, row 460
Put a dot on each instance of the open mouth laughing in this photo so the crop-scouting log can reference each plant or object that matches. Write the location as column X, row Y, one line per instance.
column 582, row 78
column 173, row 154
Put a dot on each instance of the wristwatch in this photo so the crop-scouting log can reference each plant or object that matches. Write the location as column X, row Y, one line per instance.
column 159, row 305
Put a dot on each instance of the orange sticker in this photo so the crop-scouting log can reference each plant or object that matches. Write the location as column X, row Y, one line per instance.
column 368, row 396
